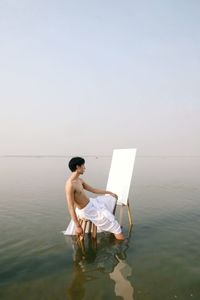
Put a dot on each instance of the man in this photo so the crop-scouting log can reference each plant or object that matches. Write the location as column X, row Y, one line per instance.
column 99, row 210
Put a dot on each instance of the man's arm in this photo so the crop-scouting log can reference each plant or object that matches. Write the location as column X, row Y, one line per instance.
column 70, row 202
column 89, row 188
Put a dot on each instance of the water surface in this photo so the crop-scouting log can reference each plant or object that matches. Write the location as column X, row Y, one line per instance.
column 158, row 260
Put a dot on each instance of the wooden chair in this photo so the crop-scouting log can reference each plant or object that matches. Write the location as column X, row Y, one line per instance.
column 92, row 231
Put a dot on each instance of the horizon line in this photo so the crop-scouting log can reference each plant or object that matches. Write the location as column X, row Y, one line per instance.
column 90, row 155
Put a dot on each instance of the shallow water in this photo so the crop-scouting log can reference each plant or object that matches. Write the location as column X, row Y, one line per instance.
column 158, row 260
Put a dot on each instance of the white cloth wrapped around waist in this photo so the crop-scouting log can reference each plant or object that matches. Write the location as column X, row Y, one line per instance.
column 99, row 210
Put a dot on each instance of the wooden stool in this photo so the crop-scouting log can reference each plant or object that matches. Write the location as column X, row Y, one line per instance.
column 92, row 229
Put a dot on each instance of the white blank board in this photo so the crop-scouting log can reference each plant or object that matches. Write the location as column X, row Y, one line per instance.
column 120, row 174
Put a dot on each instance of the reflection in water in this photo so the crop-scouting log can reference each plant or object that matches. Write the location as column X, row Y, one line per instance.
column 123, row 287
column 104, row 261
column 76, row 288
column 121, row 273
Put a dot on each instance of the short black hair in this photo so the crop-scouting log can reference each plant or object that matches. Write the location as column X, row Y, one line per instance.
column 76, row 161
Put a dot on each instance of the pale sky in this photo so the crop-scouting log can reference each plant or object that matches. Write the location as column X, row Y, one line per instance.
column 85, row 77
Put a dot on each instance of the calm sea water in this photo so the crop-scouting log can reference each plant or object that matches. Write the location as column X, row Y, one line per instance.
column 160, row 259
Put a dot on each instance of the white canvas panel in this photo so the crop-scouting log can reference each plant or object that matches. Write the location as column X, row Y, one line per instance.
column 120, row 174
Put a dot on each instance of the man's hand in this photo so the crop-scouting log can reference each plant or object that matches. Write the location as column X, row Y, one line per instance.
column 114, row 195
column 79, row 230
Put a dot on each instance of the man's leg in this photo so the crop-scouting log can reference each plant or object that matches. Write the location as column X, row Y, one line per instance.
column 102, row 215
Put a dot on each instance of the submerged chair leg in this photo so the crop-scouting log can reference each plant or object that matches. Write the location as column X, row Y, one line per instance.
column 94, row 231
column 89, row 226
column 129, row 214
column 84, row 227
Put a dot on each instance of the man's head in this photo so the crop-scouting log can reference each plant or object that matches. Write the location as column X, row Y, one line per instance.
column 77, row 163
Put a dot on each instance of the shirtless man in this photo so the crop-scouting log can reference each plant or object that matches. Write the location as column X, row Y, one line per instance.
column 75, row 194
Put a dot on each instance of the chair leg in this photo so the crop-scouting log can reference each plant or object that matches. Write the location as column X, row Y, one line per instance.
column 129, row 215
column 84, row 228
column 89, row 226
column 94, row 231
column 114, row 210
column 94, row 244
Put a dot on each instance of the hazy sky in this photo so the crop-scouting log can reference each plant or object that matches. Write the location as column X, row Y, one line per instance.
column 84, row 77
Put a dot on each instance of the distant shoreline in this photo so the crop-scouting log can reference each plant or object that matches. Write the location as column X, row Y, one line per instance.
column 95, row 156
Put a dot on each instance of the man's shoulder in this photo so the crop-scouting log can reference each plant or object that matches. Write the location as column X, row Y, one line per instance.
column 69, row 184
